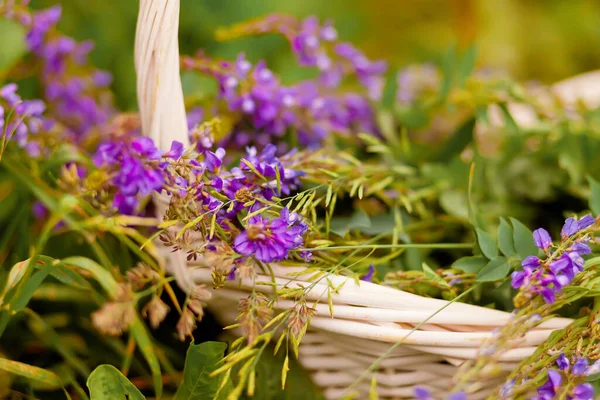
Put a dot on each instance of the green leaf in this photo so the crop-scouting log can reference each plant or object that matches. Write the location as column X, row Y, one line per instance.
column 505, row 238
column 448, row 70
column 496, row 269
column 466, row 65
column 389, row 92
column 594, row 201
column 433, row 276
column 140, row 335
column 487, row 244
column 108, row 383
column 523, row 239
column 12, row 43
column 68, row 276
column 509, row 121
column 341, row 226
column 298, row 385
column 104, row 278
column 200, row 362
column 30, row 372
column 470, row 265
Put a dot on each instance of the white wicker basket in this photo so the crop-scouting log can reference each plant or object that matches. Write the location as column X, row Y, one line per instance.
column 368, row 317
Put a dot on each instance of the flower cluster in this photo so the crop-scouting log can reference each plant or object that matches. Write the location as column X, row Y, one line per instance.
column 134, row 169
column 75, row 91
column 548, row 276
column 270, row 241
column 316, row 44
column 231, row 194
column 266, row 109
column 19, row 119
column 567, row 381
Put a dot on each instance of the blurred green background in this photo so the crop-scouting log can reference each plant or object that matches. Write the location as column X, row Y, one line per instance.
column 546, row 39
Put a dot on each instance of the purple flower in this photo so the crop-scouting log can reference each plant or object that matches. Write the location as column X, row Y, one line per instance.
column 580, row 366
column 548, row 295
column 585, row 221
column 593, row 369
column 176, row 150
column 583, row 391
column 531, row 262
column 369, row 275
column 548, row 389
column 422, row 393
column 507, row 388
column 39, row 210
column 134, row 170
column 521, row 278
column 563, row 362
column 270, row 240
column 542, row 238
column 569, row 228
column 581, row 248
column 457, row 396
column 231, row 274
column 9, row 93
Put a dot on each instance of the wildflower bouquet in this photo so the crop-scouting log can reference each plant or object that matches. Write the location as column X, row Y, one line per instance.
column 370, row 224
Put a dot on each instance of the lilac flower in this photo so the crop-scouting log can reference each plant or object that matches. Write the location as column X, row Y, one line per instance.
column 580, row 366
column 521, row 278
column 8, row 93
column 583, row 391
column 585, row 222
column 457, row 396
column 369, row 275
column 581, row 248
column 593, row 369
column 176, row 150
column 507, row 388
column 548, row 278
column 311, row 109
column 422, row 393
column 134, row 168
column 563, row 362
column 569, row 228
column 75, row 89
column 270, row 240
column 548, row 389
column 542, row 238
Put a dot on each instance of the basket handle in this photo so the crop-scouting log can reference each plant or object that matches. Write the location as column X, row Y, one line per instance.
column 160, row 101
column 159, row 91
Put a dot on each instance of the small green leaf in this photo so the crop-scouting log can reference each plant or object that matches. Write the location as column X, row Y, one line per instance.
column 30, row 372
column 139, row 333
column 466, row 65
column 108, row 383
column 495, row 270
column 594, row 201
column 523, row 239
column 12, row 42
column 433, row 276
column 68, row 276
column 487, row 244
column 505, row 238
column 509, row 121
column 200, row 362
column 470, row 265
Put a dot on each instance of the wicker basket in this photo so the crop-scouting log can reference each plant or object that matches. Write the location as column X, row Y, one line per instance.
column 367, row 317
